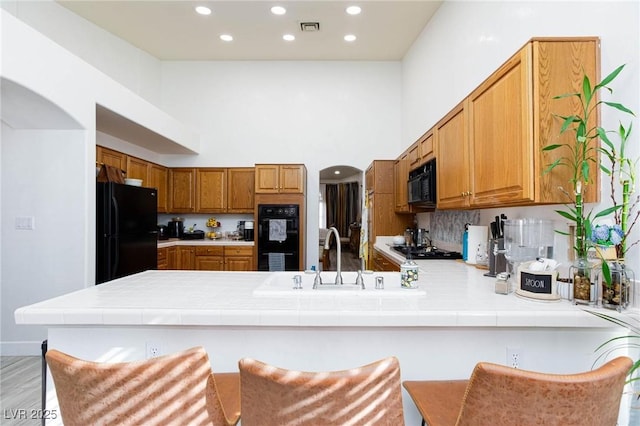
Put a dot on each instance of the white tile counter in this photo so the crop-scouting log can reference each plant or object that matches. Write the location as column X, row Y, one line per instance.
column 205, row 242
column 440, row 333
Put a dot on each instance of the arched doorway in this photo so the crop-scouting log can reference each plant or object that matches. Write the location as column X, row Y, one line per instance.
column 340, row 206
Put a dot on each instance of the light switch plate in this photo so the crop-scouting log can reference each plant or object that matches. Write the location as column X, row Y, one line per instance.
column 26, row 223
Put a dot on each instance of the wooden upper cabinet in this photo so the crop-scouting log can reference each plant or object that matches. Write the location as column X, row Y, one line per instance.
column 280, row 178
column 159, row 179
column 400, row 178
column 427, row 147
column 489, row 148
column 501, row 140
column 379, row 177
column 111, row 158
column 211, row 190
column 182, row 190
column 453, row 186
column 138, row 169
column 413, row 156
column 240, row 189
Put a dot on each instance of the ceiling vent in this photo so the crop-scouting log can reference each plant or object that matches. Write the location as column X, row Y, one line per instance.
column 309, row 26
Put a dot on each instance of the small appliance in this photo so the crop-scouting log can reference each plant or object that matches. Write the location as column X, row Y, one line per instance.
column 248, row 230
column 422, row 253
column 422, row 185
column 176, row 227
column 163, row 232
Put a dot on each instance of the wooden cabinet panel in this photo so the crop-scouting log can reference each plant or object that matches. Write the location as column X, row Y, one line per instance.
column 292, row 178
column 162, row 258
column 209, row 250
column 379, row 177
column 280, row 178
column 413, row 156
column 209, row 263
column 238, row 258
column 384, row 264
column 172, row 257
column 240, row 189
column 158, row 178
column 427, row 151
column 111, row 158
column 182, row 190
column 267, row 178
column 500, row 136
column 211, row 190
column 138, row 169
column 186, row 257
column 453, row 188
column 400, row 176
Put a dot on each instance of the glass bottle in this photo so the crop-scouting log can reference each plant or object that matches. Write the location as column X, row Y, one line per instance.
column 616, row 295
column 583, row 284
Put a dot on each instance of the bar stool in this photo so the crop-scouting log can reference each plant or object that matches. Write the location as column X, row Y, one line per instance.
column 368, row 395
column 498, row 395
column 173, row 389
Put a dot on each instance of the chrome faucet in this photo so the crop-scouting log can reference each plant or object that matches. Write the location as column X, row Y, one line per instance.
column 338, row 253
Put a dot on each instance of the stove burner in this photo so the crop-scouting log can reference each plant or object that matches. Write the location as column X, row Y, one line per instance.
column 427, row 252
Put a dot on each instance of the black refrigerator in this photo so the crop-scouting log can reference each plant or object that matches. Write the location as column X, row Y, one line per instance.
column 126, row 230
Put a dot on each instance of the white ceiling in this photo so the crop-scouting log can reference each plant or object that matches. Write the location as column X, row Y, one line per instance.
column 171, row 30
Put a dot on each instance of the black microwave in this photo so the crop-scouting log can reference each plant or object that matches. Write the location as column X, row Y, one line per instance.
column 422, row 185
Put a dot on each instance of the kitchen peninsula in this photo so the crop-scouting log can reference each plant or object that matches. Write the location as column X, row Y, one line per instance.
column 439, row 333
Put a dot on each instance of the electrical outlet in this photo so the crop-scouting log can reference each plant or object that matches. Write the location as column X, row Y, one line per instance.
column 514, row 357
column 153, row 350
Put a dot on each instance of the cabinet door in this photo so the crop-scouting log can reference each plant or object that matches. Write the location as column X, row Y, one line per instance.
column 209, row 263
column 162, row 258
column 182, row 190
column 172, row 257
column 401, row 175
column 211, row 190
column 238, row 258
column 240, row 190
column 427, row 148
column 292, row 178
column 138, row 169
column 111, row 158
column 500, row 135
column 186, row 258
column 413, row 156
column 267, row 176
column 158, row 178
column 453, row 159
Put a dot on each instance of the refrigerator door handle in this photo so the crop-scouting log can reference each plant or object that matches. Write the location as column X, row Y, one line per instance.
column 115, row 249
column 116, row 217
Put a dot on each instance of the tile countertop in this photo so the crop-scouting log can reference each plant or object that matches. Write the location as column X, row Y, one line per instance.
column 457, row 295
column 205, row 242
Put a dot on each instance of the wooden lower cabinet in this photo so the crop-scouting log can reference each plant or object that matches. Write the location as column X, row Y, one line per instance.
column 186, row 258
column 206, row 258
column 209, row 258
column 382, row 263
column 238, row 258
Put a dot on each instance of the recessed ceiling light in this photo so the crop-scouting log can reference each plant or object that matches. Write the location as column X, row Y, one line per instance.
column 226, row 37
column 336, row 172
column 349, row 37
column 288, row 37
column 354, row 10
column 278, row 10
column 203, row 10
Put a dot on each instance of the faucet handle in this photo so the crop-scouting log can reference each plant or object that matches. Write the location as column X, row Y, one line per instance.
column 317, row 280
column 359, row 280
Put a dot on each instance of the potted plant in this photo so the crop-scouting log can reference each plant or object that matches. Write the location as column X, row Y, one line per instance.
column 580, row 155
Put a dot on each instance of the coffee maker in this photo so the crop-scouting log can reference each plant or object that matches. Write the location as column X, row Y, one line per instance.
column 248, row 230
column 176, row 227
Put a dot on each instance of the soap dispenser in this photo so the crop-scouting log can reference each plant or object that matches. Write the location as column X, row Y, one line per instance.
column 409, row 274
column 465, row 242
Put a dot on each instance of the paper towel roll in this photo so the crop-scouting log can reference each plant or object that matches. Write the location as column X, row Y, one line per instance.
column 477, row 235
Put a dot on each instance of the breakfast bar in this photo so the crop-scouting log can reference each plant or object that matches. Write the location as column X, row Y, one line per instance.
column 438, row 331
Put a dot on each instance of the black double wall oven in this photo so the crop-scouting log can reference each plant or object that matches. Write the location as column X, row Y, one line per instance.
column 278, row 243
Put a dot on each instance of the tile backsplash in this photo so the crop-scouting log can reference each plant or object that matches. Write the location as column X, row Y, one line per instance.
column 447, row 226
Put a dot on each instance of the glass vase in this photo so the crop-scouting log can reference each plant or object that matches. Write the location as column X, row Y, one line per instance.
column 584, row 286
column 616, row 295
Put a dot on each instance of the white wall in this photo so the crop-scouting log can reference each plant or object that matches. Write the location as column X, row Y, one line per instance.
column 317, row 113
column 126, row 64
column 467, row 40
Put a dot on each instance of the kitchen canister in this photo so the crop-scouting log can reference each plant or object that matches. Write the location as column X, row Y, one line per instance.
column 477, row 236
column 409, row 274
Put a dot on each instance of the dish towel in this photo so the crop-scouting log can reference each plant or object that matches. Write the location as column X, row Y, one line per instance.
column 277, row 230
column 276, row 261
